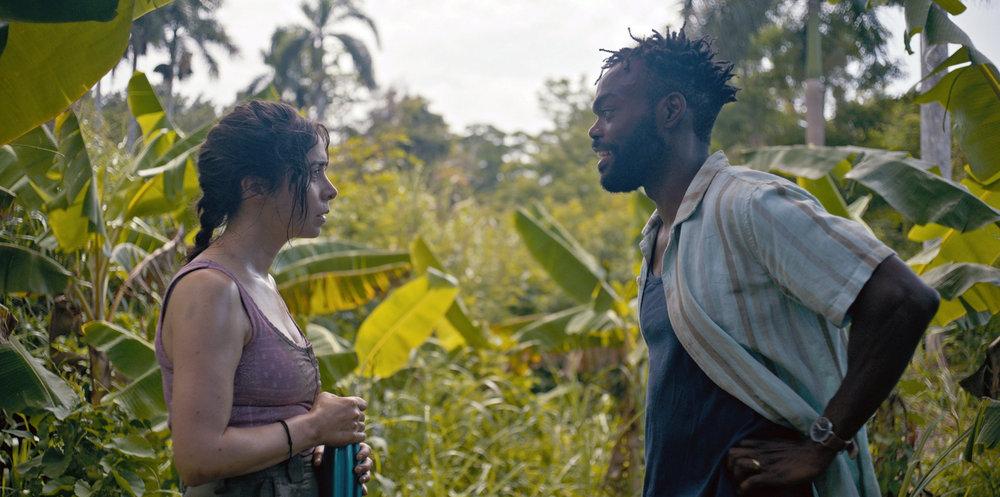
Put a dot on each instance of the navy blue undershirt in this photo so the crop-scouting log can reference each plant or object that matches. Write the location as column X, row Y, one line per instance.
column 690, row 422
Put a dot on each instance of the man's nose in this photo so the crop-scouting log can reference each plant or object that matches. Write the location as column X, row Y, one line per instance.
column 594, row 131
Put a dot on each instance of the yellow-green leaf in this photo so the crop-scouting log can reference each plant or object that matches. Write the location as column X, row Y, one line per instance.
column 333, row 291
column 46, row 67
column 403, row 321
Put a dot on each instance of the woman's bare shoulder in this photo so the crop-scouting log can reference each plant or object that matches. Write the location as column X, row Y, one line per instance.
column 207, row 300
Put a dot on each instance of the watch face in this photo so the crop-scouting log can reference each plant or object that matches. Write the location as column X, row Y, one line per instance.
column 821, row 429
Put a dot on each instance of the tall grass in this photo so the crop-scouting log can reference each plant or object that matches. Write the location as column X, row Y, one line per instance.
column 463, row 424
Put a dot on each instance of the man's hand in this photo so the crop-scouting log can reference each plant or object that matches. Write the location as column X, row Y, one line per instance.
column 757, row 463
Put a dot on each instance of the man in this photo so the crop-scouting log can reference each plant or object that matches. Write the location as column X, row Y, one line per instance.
column 746, row 287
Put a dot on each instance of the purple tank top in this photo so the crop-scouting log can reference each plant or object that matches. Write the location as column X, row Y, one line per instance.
column 275, row 378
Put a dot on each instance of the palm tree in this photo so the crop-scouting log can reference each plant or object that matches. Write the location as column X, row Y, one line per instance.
column 935, row 124
column 188, row 25
column 815, row 90
column 776, row 45
column 303, row 57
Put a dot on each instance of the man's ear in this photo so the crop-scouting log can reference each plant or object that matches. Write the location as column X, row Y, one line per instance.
column 670, row 110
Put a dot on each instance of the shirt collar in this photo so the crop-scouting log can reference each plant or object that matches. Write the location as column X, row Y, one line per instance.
column 693, row 195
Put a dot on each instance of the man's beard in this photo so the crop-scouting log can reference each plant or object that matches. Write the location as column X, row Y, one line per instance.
column 633, row 160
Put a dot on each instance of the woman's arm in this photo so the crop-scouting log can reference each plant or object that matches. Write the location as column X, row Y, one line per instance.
column 207, row 328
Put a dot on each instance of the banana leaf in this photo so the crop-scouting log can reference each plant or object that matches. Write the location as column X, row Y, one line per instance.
column 29, row 384
column 335, row 357
column 456, row 329
column 329, row 292
column 402, row 322
column 48, row 66
column 565, row 261
column 25, row 270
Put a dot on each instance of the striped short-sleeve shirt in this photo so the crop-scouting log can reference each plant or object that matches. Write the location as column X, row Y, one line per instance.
column 758, row 279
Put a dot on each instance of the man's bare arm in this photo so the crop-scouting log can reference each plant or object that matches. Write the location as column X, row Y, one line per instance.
column 888, row 318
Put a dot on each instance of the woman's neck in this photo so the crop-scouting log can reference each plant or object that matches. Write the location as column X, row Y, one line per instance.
column 250, row 244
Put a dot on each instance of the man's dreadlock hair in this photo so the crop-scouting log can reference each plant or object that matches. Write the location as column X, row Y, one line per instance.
column 677, row 63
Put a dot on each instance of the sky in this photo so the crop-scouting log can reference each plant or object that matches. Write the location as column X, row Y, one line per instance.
column 487, row 61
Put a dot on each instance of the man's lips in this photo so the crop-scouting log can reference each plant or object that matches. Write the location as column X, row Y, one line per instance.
column 604, row 155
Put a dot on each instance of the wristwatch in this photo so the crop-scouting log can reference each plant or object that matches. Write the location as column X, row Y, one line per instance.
column 822, row 433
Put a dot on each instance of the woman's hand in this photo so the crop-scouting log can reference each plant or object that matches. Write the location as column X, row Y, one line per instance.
column 363, row 469
column 338, row 421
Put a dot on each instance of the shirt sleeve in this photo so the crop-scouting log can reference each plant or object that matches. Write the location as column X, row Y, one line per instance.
column 821, row 259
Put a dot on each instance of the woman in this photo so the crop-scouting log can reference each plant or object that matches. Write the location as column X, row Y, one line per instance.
column 240, row 379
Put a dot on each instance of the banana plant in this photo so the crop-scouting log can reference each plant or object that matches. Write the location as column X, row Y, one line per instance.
column 402, row 322
column 24, row 270
column 601, row 316
column 326, row 275
column 133, row 358
column 456, row 329
column 970, row 90
column 54, row 53
column 95, row 211
column 29, row 384
column 322, row 276
column 428, row 304
column 958, row 219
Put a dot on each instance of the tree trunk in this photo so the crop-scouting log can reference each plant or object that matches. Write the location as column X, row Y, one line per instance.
column 935, row 147
column 132, row 133
column 171, row 73
column 935, row 123
column 687, row 14
column 815, row 91
column 98, row 104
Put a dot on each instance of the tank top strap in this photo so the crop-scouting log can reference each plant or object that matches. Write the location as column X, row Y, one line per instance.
column 254, row 314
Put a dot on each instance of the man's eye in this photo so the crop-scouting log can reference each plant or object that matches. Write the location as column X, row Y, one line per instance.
column 606, row 113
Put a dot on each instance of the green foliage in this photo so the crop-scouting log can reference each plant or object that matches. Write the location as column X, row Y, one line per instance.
column 50, row 65
column 25, row 270
column 30, row 384
column 520, row 305
column 503, row 437
column 63, row 11
column 402, row 322
column 99, row 451
column 305, row 65
column 134, row 357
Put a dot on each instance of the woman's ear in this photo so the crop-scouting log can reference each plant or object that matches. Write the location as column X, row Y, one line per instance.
column 670, row 110
column 251, row 187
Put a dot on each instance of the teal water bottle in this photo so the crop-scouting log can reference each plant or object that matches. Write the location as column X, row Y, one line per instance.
column 337, row 477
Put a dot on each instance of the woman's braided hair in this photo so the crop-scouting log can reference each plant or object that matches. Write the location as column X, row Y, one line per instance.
column 267, row 141
column 678, row 63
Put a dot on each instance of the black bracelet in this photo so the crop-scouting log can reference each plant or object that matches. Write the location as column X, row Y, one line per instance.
column 288, row 437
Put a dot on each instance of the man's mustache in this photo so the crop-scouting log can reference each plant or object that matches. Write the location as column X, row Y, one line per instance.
column 601, row 147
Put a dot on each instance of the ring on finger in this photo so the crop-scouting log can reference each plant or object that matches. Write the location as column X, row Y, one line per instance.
column 755, row 463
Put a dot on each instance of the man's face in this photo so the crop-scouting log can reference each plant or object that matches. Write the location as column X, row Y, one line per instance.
column 625, row 136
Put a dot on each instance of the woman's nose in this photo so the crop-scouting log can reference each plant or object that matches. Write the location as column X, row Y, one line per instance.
column 332, row 191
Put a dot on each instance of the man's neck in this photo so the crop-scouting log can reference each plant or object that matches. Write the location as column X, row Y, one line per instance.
column 666, row 189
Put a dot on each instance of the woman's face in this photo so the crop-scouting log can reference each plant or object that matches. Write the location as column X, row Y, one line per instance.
column 318, row 194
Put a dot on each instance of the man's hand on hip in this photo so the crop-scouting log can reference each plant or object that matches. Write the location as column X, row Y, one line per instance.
column 757, row 463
